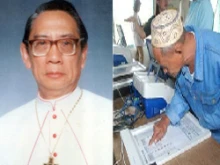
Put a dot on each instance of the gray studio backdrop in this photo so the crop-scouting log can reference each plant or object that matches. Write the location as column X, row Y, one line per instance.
column 17, row 84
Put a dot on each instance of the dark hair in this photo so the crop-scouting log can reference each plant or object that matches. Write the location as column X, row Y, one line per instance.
column 136, row 4
column 54, row 5
column 157, row 9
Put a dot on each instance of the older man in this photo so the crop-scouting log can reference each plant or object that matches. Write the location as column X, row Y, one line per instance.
column 64, row 124
column 193, row 57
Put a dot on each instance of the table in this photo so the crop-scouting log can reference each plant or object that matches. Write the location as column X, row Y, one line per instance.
column 205, row 153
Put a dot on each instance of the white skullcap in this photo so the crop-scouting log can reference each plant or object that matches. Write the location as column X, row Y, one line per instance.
column 166, row 28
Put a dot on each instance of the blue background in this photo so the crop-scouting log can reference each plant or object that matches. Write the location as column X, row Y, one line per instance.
column 17, row 84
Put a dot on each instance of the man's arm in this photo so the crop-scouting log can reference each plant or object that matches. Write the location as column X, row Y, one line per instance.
column 174, row 112
column 200, row 15
column 206, row 16
column 137, row 27
column 160, row 129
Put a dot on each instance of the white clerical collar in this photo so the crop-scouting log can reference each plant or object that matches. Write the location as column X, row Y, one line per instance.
column 62, row 99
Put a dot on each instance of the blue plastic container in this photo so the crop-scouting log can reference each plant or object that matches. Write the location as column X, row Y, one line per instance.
column 119, row 59
column 136, row 93
column 153, row 106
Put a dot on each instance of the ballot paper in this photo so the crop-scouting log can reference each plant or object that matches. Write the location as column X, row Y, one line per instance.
column 177, row 140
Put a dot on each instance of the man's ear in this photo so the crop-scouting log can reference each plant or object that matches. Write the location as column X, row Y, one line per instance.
column 178, row 48
column 84, row 56
column 25, row 56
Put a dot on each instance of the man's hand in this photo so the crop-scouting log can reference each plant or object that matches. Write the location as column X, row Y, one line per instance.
column 160, row 129
column 130, row 19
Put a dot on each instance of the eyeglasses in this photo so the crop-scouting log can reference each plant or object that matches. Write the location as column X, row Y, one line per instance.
column 66, row 46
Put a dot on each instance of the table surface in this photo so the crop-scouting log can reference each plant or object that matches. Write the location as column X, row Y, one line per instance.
column 205, row 153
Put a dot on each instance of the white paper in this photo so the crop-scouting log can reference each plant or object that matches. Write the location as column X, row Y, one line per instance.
column 177, row 140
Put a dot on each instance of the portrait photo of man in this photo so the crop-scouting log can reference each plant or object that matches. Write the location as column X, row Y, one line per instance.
column 62, row 115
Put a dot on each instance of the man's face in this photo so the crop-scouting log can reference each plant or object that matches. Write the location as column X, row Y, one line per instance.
column 162, row 4
column 171, row 62
column 55, row 72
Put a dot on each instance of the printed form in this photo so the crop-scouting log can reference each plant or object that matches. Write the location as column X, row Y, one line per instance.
column 177, row 140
